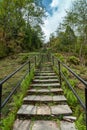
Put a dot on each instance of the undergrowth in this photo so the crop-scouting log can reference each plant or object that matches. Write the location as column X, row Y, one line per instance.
column 7, row 123
column 72, row 100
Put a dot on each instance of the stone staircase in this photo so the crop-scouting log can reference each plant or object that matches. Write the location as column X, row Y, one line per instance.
column 44, row 105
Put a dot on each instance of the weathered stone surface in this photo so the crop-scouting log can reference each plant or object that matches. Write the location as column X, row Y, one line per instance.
column 67, row 125
column 45, row 80
column 46, row 98
column 45, row 71
column 32, row 98
column 56, row 90
column 46, row 77
column 46, row 90
column 38, row 90
column 17, row 123
column 44, row 74
column 61, row 109
column 21, row 125
column 46, row 85
column 23, row 107
column 29, row 110
column 70, row 118
column 43, row 110
column 59, row 98
column 45, row 125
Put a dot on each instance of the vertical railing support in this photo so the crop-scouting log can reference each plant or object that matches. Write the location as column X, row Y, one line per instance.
column 29, row 67
column 0, row 98
column 86, row 104
column 42, row 58
column 59, row 73
column 53, row 60
column 35, row 61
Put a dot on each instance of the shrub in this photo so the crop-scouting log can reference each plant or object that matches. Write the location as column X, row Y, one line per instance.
column 59, row 56
column 24, row 59
column 74, row 60
column 3, row 50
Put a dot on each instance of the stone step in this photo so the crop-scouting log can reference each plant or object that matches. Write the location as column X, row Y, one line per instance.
column 28, row 111
column 43, row 125
column 44, row 71
column 45, row 74
column 33, row 99
column 46, row 77
column 45, row 85
column 21, row 124
column 43, row 91
column 45, row 80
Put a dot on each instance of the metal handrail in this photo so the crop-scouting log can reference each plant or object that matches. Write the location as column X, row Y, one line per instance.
column 10, row 75
column 17, row 85
column 61, row 75
column 78, row 77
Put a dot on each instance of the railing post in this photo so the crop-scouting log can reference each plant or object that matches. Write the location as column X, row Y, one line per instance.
column 0, row 98
column 59, row 73
column 86, row 104
column 53, row 60
column 29, row 67
column 35, row 61
column 42, row 58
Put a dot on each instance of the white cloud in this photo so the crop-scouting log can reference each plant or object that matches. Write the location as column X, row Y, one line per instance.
column 54, row 3
column 52, row 21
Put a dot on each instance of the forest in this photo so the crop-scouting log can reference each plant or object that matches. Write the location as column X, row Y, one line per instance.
column 20, row 26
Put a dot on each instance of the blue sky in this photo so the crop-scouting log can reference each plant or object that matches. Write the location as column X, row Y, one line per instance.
column 55, row 10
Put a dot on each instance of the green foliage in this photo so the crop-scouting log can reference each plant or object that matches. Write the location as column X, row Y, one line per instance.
column 59, row 56
column 3, row 50
column 73, row 60
column 7, row 122
column 72, row 100
column 20, row 25
column 24, row 59
column 65, row 72
column 73, row 82
column 69, row 36
column 80, row 122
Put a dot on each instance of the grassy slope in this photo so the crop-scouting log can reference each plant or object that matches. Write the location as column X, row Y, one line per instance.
column 77, row 85
column 7, row 66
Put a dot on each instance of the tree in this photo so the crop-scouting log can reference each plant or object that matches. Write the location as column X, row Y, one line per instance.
column 77, row 18
column 18, row 19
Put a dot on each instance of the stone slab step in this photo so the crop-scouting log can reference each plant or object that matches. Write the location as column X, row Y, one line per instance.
column 61, row 110
column 46, row 77
column 28, row 111
column 46, row 74
column 64, row 125
column 45, row 125
column 44, row 99
column 45, row 80
column 21, row 124
column 44, row 71
column 42, row 125
column 45, row 85
column 43, row 91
